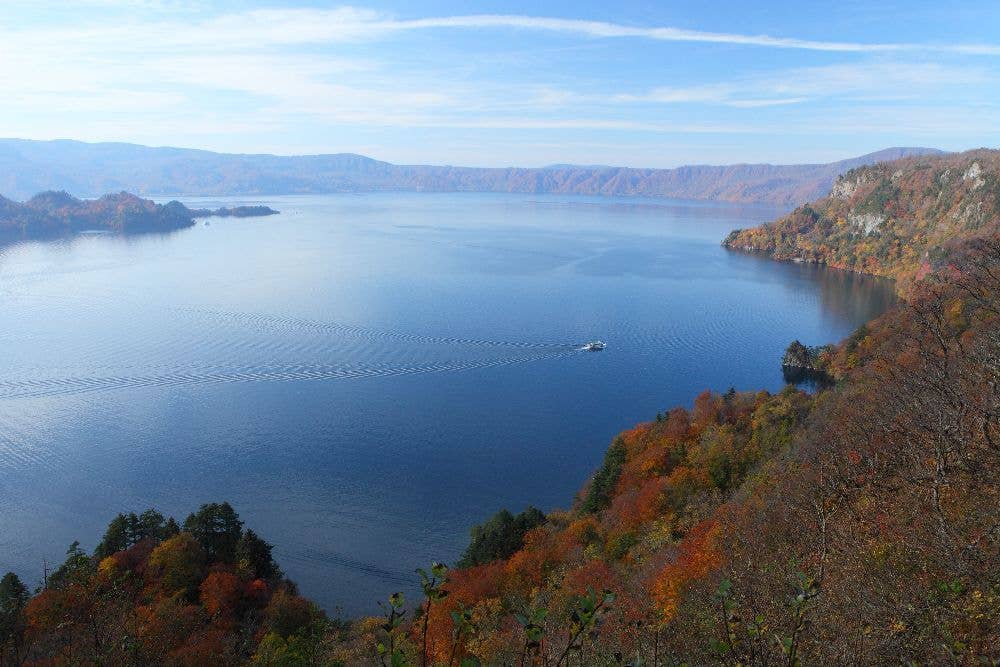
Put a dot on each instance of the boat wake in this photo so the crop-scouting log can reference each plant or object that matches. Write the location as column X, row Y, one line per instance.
column 272, row 322
column 231, row 343
column 42, row 387
column 316, row 558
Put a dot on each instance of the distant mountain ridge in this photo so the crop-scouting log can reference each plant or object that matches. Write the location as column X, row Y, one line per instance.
column 27, row 167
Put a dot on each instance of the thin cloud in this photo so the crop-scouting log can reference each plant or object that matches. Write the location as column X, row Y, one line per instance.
column 289, row 26
column 856, row 81
column 286, row 26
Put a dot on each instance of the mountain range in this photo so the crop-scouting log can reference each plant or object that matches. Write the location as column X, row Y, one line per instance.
column 86, row 169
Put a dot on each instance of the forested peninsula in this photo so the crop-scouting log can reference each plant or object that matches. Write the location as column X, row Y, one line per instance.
column 52, row 213
column 856, row 525
column 903, row 219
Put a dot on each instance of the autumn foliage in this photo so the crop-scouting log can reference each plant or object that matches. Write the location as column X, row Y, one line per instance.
column 165, row 601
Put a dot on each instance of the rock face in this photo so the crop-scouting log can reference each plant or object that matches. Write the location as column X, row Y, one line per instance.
column 974, row 173
column 898, row 219
column 53, row 213
column 27, row 167
column 867, row 223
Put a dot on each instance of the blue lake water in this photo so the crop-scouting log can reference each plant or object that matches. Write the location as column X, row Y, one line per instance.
column 365, row 376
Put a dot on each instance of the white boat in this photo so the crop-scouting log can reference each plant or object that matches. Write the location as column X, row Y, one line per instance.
column 594, row 346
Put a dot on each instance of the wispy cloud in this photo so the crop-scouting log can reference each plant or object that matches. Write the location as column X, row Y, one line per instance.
column 290, row 26
column 867, row 81
column 305, row 74
column 602, row 29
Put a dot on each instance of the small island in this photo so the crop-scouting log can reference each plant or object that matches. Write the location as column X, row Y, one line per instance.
column 235, row 212
column 52, row 213
column 804, row 364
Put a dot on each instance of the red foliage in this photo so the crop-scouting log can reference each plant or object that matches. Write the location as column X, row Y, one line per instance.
column 134, row 558
column 594, row 574
column 221, row 593
column 257, row 592
column 211, row 646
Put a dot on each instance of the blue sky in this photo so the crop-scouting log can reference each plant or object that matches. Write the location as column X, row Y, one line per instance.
column 654, row 84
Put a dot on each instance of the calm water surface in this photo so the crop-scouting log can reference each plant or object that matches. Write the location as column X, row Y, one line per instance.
column 364, row 377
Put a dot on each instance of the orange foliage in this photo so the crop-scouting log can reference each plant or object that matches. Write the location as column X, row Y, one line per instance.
column 163, row 626
column 45, row 609
column 465, row 587
column 221, row 592
column 706, row 409
column 257, row 592
column 581, row 532
column 635, row 508
column 133, row 559
column 699, row 555
column 527, row 567
column 678, row 424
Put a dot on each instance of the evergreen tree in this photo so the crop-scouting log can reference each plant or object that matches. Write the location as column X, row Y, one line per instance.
column 218, row 529
column 500, row 537
column 256, row 554
column 77, row 567
column 116, row 538
column 149, row 524
column 13, row 598
column 126, row 530
column 603, row 485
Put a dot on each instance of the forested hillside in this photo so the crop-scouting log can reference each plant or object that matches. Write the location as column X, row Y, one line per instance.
column 898, row 219
column 856, row 525
column 860, row 525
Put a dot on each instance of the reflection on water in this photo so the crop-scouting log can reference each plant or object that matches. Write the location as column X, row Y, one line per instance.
column 851, row 297
column 806, row 378
column 844, row 296
column 364, row 377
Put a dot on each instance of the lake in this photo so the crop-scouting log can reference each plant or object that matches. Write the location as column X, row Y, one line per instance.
column 366, row 376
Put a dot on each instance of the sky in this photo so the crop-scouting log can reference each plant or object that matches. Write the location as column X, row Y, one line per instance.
column 646, row 84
